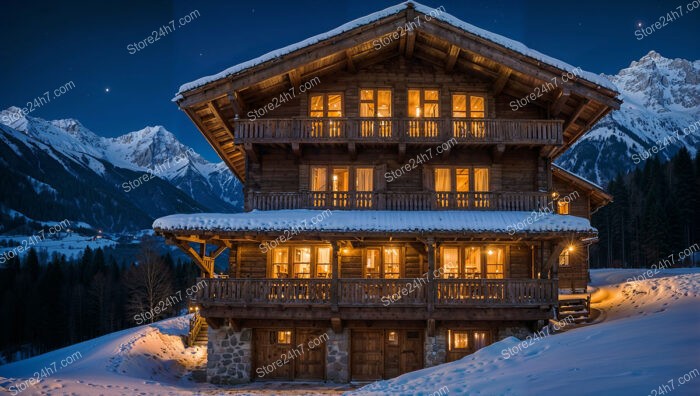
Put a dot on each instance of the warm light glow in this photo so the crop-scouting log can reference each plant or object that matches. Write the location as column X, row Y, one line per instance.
column 490, row 252
column 417, row 111
column 555, row 195
column 345, row 250
column 335, row 177
column 571, row 248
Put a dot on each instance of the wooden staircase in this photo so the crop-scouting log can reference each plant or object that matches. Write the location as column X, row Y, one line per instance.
column 198, row 334
column 577, row 307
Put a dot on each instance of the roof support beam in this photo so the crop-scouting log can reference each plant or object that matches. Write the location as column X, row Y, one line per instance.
column 562, row 96
column 410, row 43
column 501, row 81
column 214, row 109
column 451, row 58
column 582, row 105
column 351, row 63
column 294, row 78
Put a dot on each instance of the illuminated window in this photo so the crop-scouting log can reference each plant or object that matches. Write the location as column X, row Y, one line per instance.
column 481, row 184
column 477, row 107
column 459, row 105
column 364, row 179
column 423, row 103
column 375, row 103
column 563, row 207
column 472, row 262
column 462, row 177
column 302, row 262
column 564, row 258
column 319, row 178
column 458, row 340
column 443, row 180
column 393, row 338
column 480, row 339
column 392, row 266
column 495, row 262
column 328, row 105
column 280, row 263
column 283, row 337
column 372, row 269
column 450, row 262
column 340, row 179
column 323, row 262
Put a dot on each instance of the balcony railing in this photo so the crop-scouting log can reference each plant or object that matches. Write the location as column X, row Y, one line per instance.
column 409, row 130
column 512, row 201
column 378, row 292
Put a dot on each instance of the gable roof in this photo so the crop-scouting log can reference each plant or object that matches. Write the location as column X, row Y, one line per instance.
column 507, row 66
column 599, row 197
column 375, row 16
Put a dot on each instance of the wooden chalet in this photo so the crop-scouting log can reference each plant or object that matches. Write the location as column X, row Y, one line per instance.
column 426, row 217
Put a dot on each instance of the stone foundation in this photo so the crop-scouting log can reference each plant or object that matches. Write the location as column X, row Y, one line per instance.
column 435, row 348
column 519, row 332
column 229, row 355
column 338, row 356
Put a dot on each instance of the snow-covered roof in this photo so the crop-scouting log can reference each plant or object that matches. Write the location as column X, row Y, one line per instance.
column 579, row 177
column 374, row 221
column 442, row 16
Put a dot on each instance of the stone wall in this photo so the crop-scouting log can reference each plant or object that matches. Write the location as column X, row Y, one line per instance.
column 229, row 355
column 338, row 356
column 519, row 331
column 435, row 348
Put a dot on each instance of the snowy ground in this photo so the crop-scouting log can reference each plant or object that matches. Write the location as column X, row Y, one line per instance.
column 649, row 336
column 72, row 245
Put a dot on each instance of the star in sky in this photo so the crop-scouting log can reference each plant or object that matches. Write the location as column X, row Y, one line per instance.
column 107, row 90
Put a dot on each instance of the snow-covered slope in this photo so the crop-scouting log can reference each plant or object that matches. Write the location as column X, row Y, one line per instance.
column 661, row 104
column 649, row 337
column 64, row 159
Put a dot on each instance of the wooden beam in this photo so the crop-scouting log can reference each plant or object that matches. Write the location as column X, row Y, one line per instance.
column 251, row 152
column 296, row 149
column 582, row 105
column 497, row 153
column 352, row 149
column 562, row 96
column 237, row 104
column 451, row 57
column 501, row 81
column 213, row 108
column 336, row 325
column 294, row 78
column 350, row 63
column 410, row 43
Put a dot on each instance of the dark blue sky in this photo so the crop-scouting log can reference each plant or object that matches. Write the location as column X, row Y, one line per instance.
column 47, row 44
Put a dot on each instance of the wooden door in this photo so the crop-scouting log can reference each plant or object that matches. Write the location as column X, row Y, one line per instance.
column 392, row 353
column 367, row 354
column 267, row 351
column 310, row 365
column 411, row 351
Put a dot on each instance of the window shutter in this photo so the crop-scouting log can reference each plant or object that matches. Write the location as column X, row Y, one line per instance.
column 428, row 178
column 379, row 179
column 303, row 177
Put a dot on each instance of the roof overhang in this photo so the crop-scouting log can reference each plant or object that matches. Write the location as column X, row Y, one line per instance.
column 599, row 197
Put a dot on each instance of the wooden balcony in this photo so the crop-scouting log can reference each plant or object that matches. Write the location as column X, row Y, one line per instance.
column 359, row 293
column 404, row 130
column 510, row 201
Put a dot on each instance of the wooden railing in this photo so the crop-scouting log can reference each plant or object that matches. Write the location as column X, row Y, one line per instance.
column 354, row 292
column 512, row 201
column 388, row 130
column 516, row 292
column 196, row 323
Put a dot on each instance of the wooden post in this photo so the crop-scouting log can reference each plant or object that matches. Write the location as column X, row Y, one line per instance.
column 334, row 276
column 233, row 260
column 430, row 248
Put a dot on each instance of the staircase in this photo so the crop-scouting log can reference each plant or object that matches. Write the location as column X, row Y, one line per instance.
column 201, row 338
column 197, row 336
column 577, row 307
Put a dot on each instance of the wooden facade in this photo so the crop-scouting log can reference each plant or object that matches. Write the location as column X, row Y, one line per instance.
column 424, row 123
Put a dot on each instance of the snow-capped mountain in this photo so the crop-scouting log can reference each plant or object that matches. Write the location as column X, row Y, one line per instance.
column 60, row 168
column 661, row 112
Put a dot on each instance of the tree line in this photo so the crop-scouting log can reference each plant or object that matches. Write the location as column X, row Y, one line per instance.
column 654, row 214
column 59, row 302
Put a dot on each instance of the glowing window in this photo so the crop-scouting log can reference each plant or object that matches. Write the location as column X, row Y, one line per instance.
column 472, row 262
column 280, row 263
column 458, row 340
column 443, row 180
column 495, row 262
column 326, row 105
column 302, row 262
column 450, row 262
column 375, row 103
column 423, row 103
column 392, row 267
column 283, row 337
column 372, row 263
column 323, row 262
column 477, row 107
column 319, row 178
column 563, row 207
column 364, row 179
column 480, row 339
column 564, row 258
column 459, row 106
column 462, row 178
column 393, row 338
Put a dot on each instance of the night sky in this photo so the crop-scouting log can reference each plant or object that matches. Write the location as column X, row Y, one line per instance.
column 48, row 44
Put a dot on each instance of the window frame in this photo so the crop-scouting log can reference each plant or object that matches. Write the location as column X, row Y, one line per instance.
column 461, row 261
column 381, row 265
column 471, row 175
column 422, row 102
column 313, row 270
column 471, row 335
column 563, row 207
column 468, row 112
column 375, row 101
column 325, row 109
